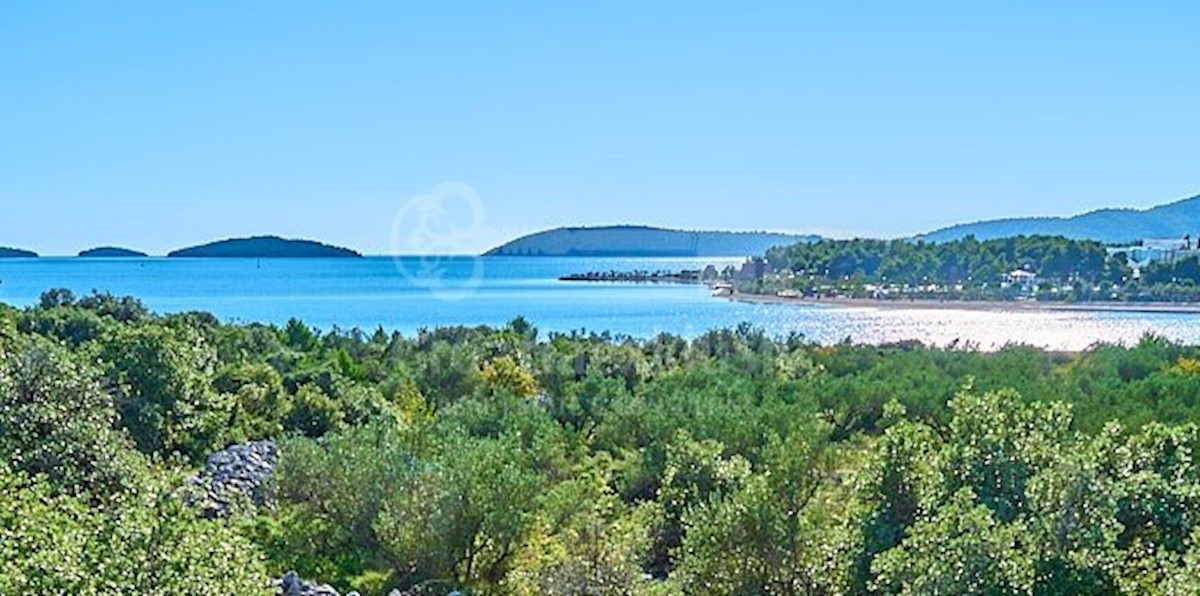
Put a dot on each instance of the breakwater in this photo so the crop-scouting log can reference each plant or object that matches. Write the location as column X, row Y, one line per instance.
column 686, row 276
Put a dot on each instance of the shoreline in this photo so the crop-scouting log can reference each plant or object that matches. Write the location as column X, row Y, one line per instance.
column 974, row 305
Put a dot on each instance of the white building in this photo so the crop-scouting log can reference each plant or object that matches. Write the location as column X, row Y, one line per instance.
column 1158, row 251
column 1026, row 281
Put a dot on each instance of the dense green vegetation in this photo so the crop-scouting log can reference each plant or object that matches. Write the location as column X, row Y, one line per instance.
column 496, row 461
column 950, row 262
column 972, row 269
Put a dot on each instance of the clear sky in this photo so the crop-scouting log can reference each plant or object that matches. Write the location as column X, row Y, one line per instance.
column 158, row 124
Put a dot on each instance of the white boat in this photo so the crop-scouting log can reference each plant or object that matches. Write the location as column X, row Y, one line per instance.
column 722, row 289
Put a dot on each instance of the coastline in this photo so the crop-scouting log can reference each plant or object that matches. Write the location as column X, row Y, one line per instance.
column 973, row 305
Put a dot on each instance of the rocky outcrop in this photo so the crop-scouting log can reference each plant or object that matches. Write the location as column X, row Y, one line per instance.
column 240, row 474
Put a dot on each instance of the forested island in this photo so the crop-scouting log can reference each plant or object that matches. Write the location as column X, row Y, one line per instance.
column 111, row 252
column 265, row 247
column 643, row 241
column 149, row 454
column 16, row 253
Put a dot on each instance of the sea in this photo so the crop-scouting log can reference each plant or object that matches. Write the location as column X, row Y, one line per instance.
column 409, row 293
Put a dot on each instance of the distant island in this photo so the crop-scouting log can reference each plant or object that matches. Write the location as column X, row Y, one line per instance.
column 265, row 247
column 111, row 251
column 643, row 241
column 1113, row 226
column 15, row 253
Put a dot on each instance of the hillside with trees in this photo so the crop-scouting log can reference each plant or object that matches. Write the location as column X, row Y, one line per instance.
column 501, row 461
column 1113, row 226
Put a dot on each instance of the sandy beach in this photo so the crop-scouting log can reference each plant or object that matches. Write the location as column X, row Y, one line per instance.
column 988, row 305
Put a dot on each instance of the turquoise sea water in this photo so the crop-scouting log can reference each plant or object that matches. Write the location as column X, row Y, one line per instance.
column 409, row 293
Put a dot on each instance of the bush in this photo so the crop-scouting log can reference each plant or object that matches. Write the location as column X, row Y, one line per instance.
column 144, row 543
column 163, row 380
column 56, row 421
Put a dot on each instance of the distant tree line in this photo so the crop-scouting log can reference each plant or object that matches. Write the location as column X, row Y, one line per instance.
column 969, row 268
column 959, row 261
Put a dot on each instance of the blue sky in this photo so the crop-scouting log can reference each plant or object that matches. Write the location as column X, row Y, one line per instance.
column 161, row 124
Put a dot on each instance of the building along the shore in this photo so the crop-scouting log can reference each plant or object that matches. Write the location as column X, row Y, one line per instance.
column 1152, row 251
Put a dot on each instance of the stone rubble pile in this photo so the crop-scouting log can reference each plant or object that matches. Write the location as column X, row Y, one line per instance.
column 291, row 585
column 237, row 474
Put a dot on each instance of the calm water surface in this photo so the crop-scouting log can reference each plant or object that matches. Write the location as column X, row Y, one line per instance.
column 409, row 293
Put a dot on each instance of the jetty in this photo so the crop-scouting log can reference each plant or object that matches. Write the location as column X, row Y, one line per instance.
column 676, row 277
